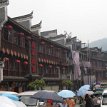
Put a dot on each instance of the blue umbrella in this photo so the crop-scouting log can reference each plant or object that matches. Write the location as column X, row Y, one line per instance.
column 85, row 87
column 66, row 93
column 11, row 96
column 81, row 92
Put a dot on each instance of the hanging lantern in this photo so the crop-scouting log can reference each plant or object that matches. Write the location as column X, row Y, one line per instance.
column 15, row 53
column 17, row 60
column 33, row 44
column 45, row 60
column 33, row 51
column 25, row 62
column 41, row 65
column 21, row 55
column 18, row 54
column 33, row 69
column 9, row 27
column 8, row 51
column 33, row 61
column 3, row 50
column 26, row 57
column 6, row 59
column 11, row 52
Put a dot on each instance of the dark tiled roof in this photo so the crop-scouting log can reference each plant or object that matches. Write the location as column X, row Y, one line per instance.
column 24, row 16
column 58, row 36
column 37, row 25
column 28, row 31
column 3, row 1
column 45, row 33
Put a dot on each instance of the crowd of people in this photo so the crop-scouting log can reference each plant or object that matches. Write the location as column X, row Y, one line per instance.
column 89, row 101
column 86, row 101
column 69, row 102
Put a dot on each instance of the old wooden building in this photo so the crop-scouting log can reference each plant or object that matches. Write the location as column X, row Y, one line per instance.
column 28, row 56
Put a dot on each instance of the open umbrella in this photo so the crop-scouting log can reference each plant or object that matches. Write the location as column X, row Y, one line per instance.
column 89, row 92
column 66, row 93
column 11, row 96
column 81, row 93
column 85, row 87
column 45, row 95
column 6, row 102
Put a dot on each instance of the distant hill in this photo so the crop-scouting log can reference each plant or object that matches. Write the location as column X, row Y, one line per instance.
column 102, row 43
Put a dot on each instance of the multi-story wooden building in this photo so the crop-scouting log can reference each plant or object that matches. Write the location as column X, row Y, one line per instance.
column 28, row 56
column 98, row 60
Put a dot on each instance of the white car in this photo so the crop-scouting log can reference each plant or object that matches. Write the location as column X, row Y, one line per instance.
column 104, row 98
column 25, row 97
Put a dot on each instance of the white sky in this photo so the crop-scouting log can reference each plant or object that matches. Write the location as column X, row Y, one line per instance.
column 86, row 19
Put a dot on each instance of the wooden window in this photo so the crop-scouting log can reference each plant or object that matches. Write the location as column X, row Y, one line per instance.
column 5, row 31
column 22, row 42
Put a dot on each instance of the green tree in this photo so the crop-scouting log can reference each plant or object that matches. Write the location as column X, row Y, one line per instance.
column 37, row 84
column 67, row 83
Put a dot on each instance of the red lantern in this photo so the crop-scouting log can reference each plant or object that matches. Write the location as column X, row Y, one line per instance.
column 33, row 69
column 33, row 44
column 33, row 52
column 9, row 27
column 3, row 50
column 6, row 59
column 17, row 60
column 25, row 62
column 33, row 61
column 41, row 65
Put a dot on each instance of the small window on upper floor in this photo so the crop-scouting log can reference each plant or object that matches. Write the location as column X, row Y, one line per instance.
column 16, row 40
column 5, row 32
column 22, row 42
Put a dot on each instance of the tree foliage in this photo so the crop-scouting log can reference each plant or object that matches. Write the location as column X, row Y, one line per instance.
column 37, row 84
column 67, row 83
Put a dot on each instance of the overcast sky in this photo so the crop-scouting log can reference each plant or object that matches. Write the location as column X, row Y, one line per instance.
column 86, row 19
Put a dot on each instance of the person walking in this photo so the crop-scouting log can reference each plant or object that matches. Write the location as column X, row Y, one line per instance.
column 70, row 102
column 89, row 101
column 48, row 103
column 95, row 101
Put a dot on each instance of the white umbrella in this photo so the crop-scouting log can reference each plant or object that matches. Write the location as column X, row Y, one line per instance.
column 6, row 102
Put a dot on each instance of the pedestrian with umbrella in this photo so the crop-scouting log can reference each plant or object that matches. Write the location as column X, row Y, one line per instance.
column 70, row 102
column 67, row 95
column 46, row 95
column 89, row 101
